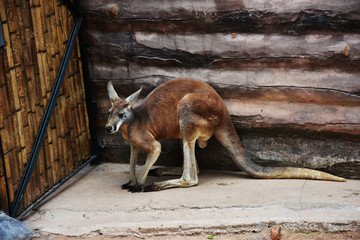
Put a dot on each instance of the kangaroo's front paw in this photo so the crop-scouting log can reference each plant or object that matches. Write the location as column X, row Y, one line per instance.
column 136, row 188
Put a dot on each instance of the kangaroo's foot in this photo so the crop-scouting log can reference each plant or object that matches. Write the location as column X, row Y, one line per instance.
column 135, row 189
column 174, row 183
column 151, row 188
column 171, row 171
column 132, row 187
column 128, row 185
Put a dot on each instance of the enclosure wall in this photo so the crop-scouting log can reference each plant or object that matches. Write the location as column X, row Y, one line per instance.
column 288, row 71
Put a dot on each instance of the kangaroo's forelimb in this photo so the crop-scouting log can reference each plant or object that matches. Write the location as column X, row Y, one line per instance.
column 133, row 161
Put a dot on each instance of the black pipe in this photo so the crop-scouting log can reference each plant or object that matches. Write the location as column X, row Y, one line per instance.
column 46, row 119
column 2, row 40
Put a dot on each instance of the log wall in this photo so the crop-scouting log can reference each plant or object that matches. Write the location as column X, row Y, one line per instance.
column 36, row 35
column 288, row 72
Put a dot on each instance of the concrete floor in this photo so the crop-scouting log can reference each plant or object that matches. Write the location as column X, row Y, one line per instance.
column 93, row 204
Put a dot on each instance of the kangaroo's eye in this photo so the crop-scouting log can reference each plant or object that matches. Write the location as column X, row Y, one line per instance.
column 121, row 115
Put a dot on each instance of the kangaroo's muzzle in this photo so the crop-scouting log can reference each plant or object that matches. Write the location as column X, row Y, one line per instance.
column 109, row 129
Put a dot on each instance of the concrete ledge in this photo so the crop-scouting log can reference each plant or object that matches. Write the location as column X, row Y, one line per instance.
column 93, row 204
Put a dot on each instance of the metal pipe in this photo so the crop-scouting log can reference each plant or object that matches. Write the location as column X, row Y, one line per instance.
column 2, row 40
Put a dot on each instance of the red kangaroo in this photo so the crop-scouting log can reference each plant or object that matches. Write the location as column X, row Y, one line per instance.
column 191, row 111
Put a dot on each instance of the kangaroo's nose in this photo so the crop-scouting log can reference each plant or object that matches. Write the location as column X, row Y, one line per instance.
column 109, row 129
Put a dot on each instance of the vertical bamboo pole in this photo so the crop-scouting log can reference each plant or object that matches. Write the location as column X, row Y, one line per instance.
column 60, row 102
column 60, row 31
column 66, row 88
column 85, row 121
column 54, row 59
column 42, row 58
column 50, row 144
column 75, row 92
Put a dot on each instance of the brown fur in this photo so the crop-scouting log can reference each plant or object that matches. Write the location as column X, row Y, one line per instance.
column 192, row 111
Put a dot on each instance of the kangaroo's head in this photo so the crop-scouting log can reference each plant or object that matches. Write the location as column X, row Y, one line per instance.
column 120, row 112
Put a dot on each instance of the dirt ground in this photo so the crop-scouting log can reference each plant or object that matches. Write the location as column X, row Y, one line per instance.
column 264, row 235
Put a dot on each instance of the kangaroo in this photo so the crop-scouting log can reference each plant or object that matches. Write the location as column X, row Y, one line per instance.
column 192, row 111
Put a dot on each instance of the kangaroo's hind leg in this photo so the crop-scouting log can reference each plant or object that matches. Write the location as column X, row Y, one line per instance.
column 198, row 117
column 170, row 171
column 189, row 177
column 166, row 171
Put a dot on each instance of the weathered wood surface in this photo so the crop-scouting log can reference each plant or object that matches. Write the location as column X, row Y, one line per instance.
column 223, row 16
column 287, row 70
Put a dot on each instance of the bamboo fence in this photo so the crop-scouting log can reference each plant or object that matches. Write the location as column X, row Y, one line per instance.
column 36, row 33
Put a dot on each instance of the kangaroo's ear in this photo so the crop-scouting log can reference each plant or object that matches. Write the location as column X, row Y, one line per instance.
column 111, row 92
column 131, row 99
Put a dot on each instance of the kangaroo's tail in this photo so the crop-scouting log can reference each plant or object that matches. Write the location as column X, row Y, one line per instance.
column 228, row 138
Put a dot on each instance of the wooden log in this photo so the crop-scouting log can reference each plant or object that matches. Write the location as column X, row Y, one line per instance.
column 326, row 118
column 209, row 50
column 250, row 78
column 176, row 9
column 126, row 50
column 52, row 147
column 318, row 96
column 254, row 45
column 222, row 16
